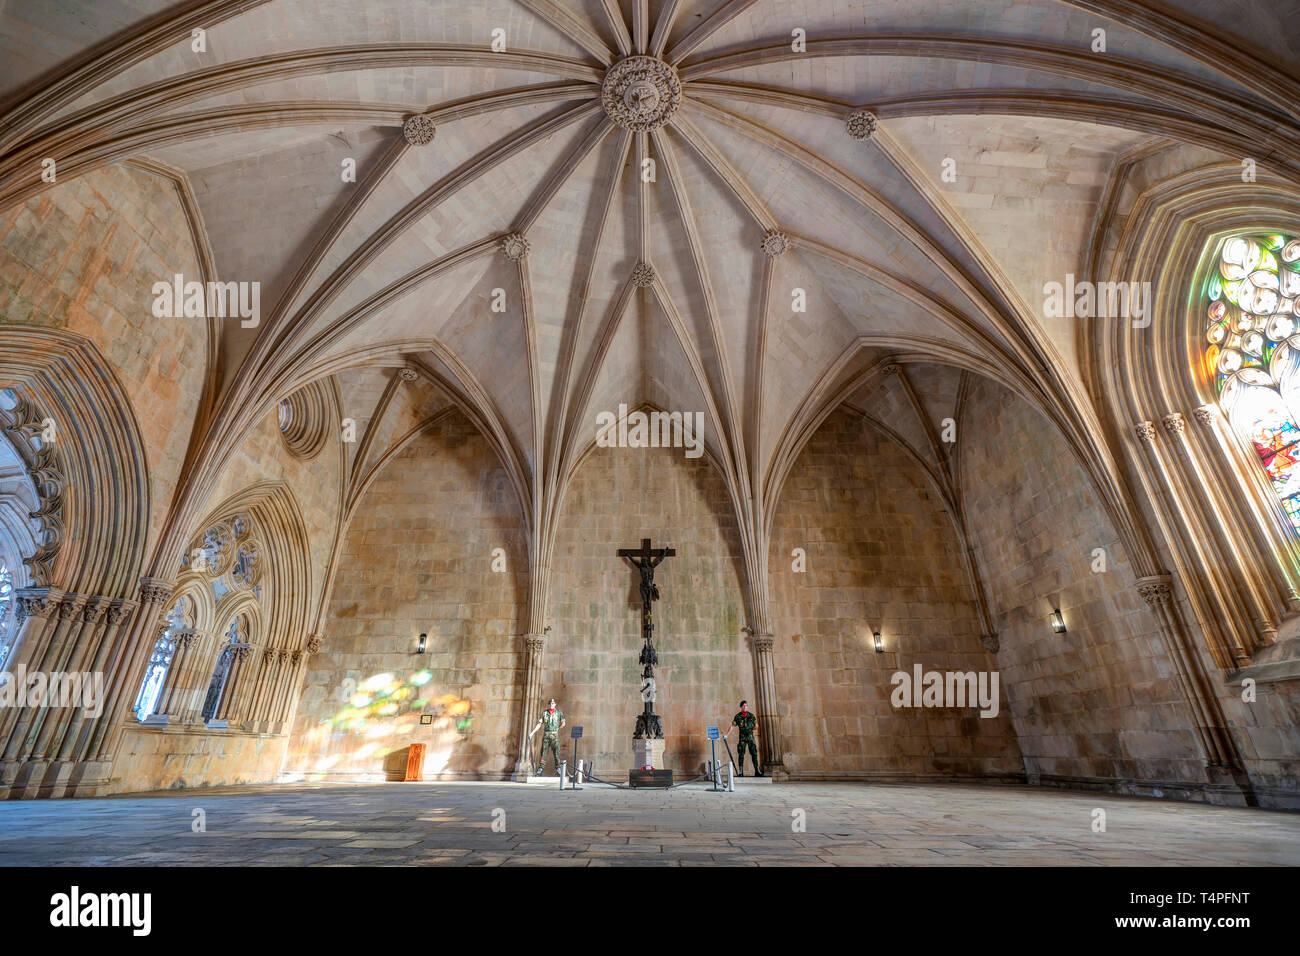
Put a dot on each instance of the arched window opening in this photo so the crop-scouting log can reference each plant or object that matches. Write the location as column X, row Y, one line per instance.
column 217, row 702
column 160, row 662
column 1253, row 353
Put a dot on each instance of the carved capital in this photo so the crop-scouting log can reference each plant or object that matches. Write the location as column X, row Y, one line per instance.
column 1204, row 414
column 1156, row 590
column 155, row 590
column 763, row 641
column 1174, row 423
column 536, row 643
column 32, row 605
column 314, row 644
column 1146, row 432
column 407, row 374
column 892, row 368
column 118, row 612
column 70, row 607
column 991, row 643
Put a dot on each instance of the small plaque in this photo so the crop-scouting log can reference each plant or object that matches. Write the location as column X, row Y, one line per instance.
column 712, row 733
column 575, row 732
column 426, row 718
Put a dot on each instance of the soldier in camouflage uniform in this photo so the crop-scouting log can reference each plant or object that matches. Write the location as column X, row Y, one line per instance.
column 746, row 722
column 549, row 723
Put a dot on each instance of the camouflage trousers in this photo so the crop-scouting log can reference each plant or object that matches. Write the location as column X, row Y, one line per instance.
column 746, row 741
column 553, row 741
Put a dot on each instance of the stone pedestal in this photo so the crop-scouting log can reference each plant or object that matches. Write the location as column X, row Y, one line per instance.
column 648, row 752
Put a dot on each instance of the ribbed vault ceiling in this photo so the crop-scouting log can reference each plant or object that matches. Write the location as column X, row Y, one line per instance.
column 402, row 264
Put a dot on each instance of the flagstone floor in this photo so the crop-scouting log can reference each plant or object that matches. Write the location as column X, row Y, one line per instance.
column 453, row 824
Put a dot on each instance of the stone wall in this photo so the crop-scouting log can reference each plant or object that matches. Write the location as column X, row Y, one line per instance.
column 618, row 497
column 174, row 759
column 1099, row 704
column 417, row 557
column 883, row 554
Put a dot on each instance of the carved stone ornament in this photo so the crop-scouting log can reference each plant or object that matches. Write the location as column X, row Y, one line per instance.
column 153, row 591
column 536, row 643
column 419, row 130
column 1155, row 590
column 990, row 642
column 314, row 644
column 407, row 374
column 25, row 424
column 515, row 246
column 641, row 93
column 1204, row 414
column 643, row 274
column 1146, row 431
column 763, row 643
column 860, row 124
column 775, row 243
column 1174, row 423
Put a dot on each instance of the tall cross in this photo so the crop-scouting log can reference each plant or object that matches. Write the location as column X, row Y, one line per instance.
column 649, row 559
column 645, row 559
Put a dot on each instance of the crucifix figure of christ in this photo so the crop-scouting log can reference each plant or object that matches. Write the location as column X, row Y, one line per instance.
column 645, row 559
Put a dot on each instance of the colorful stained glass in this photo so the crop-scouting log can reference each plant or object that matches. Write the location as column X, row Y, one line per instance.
column 1252, row 306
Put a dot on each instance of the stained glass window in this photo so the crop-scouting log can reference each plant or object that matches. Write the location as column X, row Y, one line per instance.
column 1252, row 330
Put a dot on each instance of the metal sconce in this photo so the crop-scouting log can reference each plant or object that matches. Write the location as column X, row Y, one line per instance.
column 424, row 644
column 1058, row 622
column 880, row 645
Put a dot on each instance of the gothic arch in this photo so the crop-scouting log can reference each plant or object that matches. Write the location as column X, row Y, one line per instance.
column 93, row 478
column 1223, row 528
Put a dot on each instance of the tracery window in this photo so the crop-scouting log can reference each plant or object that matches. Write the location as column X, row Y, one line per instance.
column 160, row 662
column 1253, row 331
column 236, row 637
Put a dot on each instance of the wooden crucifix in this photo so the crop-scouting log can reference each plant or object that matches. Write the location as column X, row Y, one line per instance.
column 645, row 559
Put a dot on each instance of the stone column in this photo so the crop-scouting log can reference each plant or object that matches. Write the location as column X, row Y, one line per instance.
column 1222, row 759
column 769, row 727
column 534, row 644
column 78, row 733
column 126, row 668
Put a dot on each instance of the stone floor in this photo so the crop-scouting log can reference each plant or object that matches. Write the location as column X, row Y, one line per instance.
column 452, row 823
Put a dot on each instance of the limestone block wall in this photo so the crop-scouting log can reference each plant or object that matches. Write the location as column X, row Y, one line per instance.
column 882, row 554
column 1098, row 704
column 618, row 497
column 153, row 759
column 417, row 557
column 83, row 256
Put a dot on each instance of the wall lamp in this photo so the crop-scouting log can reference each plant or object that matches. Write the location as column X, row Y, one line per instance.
column 880, row 645
column 424, row 644
column 1058, row 622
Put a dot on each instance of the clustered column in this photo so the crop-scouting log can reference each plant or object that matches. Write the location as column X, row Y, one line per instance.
column 769, row 728
column 534, row 644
